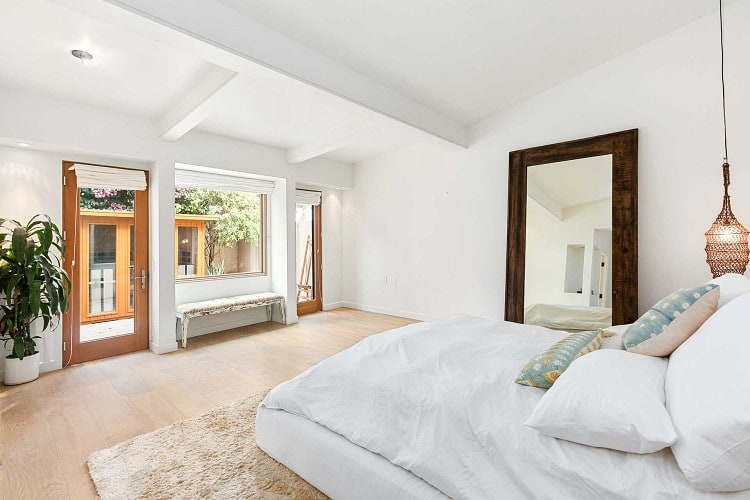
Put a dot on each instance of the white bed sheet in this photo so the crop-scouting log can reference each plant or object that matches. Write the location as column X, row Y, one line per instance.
column 333, row 464
column 439, row 399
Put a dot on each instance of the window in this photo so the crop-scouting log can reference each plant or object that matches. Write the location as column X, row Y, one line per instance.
column 219, row 232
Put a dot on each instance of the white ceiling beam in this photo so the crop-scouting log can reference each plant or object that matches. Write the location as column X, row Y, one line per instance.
column 545, row 201
column 219, row 34
column 329, row 141
column 196, row 105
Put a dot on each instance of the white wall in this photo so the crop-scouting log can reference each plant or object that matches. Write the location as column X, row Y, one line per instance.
column 547, row 240
column 436, row 219
column 30, row 183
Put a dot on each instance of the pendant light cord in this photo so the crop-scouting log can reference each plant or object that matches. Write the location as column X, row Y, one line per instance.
column 723, row 93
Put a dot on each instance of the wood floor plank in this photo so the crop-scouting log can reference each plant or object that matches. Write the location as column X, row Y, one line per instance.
column 49, row 427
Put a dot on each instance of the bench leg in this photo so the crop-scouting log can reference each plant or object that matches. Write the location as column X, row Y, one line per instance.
column 269, row 308
column 185, row 321
column 282, row 310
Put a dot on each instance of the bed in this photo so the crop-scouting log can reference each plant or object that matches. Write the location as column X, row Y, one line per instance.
column 569, row 318
column 431, row 410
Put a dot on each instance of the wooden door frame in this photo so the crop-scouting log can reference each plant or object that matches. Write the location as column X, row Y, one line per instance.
column 315, row 305
column 72, row 319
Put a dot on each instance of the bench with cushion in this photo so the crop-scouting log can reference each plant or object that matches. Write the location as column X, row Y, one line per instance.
column 227, row 304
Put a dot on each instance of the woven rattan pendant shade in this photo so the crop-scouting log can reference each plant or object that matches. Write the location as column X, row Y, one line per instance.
column 726, row 240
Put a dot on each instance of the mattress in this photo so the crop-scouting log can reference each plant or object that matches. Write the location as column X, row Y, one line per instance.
column 436, row 402
column 562, row 317
column 332, row 464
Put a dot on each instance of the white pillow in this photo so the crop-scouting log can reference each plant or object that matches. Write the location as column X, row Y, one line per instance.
column 730, row 286
column 608, row 399
column 614, row 340
column 708, row 397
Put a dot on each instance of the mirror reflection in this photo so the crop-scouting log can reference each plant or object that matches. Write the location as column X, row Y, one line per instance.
column 568, row 273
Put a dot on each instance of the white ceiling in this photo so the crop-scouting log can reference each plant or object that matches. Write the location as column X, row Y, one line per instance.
column 574, row 182
column 129, row 73
column 466, row 59
column 472, row 58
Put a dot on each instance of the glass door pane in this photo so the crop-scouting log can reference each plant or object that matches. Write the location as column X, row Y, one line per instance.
column 187, row 251
column 305, row 253
column 107, row 242
column 102, row 270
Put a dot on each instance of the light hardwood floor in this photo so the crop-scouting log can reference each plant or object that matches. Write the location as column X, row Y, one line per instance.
column 49, row 427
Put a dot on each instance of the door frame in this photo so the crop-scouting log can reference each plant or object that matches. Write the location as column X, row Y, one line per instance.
column 73, row 350
column 311, row 306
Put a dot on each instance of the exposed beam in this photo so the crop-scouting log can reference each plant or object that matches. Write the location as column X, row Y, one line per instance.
column 329, row 141
column 219, row 34
column 545, row 201
column 195, row 105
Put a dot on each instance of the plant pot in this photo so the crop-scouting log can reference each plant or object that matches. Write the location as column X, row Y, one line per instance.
column 20, row 371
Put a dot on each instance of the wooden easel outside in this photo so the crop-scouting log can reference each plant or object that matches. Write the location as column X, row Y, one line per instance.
column 304, row 288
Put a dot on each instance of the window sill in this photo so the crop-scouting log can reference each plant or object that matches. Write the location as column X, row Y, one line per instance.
column 217, row 277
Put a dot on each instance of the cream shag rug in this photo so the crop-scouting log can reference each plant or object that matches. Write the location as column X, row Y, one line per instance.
column 212, row 456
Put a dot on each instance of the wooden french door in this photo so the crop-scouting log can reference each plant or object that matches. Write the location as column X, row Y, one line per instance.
column 106, row 239
column 309, row 259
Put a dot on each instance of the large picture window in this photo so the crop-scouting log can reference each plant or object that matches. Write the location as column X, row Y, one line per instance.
column 219, row 232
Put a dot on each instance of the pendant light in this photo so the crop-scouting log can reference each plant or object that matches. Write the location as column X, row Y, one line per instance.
column 726, row 240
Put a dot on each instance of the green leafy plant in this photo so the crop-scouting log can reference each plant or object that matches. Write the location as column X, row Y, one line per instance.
column 34, row 284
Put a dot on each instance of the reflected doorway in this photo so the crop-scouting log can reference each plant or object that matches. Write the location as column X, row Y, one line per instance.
column 308, row 258
column 106, row 235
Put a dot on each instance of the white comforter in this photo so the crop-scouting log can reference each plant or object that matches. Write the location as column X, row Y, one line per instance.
column 439, row 400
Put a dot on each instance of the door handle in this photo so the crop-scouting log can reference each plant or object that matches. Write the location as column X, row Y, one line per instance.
column 142, row 277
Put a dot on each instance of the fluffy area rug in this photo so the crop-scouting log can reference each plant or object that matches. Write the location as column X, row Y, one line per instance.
column 212, row 456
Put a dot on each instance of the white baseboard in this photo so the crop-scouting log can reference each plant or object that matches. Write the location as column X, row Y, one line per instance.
column 334, row 305
column 385, row 310
column 163, row 348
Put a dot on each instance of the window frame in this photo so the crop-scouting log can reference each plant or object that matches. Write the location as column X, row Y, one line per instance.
column 262, row 247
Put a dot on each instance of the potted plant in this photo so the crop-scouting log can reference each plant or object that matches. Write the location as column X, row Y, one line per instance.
column 33, row 285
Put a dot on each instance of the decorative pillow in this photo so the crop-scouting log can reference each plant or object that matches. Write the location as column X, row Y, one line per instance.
column 732, row 285
column 708, row 397
column 613, row 336
column 608, row 399
column 543, row 370
column 671, row 321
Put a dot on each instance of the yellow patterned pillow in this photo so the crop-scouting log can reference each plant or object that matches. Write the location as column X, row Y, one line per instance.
column 544, row 369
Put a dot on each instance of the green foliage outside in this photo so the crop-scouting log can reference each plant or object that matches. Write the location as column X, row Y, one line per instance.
column 107, row 199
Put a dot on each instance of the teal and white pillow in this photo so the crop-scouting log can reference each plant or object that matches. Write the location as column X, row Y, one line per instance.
column 544, row 369
column 671, row 321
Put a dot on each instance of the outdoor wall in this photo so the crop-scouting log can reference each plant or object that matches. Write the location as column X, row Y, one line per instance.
column 435, row 218
column 61, row 130
column 547, row 240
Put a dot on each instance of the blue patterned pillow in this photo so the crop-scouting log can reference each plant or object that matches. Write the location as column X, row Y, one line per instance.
column 671, row 321
column 544, row 369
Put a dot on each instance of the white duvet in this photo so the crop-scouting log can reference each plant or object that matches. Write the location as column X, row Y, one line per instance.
column 439, row 400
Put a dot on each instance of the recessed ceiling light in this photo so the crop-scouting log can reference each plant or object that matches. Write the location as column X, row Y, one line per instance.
column 23, row 144
column 84, row 56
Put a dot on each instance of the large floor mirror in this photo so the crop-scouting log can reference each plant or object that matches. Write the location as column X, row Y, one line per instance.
column 572, row 253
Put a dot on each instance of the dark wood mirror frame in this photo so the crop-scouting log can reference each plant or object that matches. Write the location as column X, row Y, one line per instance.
column 623, row 146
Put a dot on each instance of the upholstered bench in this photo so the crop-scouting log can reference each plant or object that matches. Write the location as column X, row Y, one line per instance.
column 227, row 304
